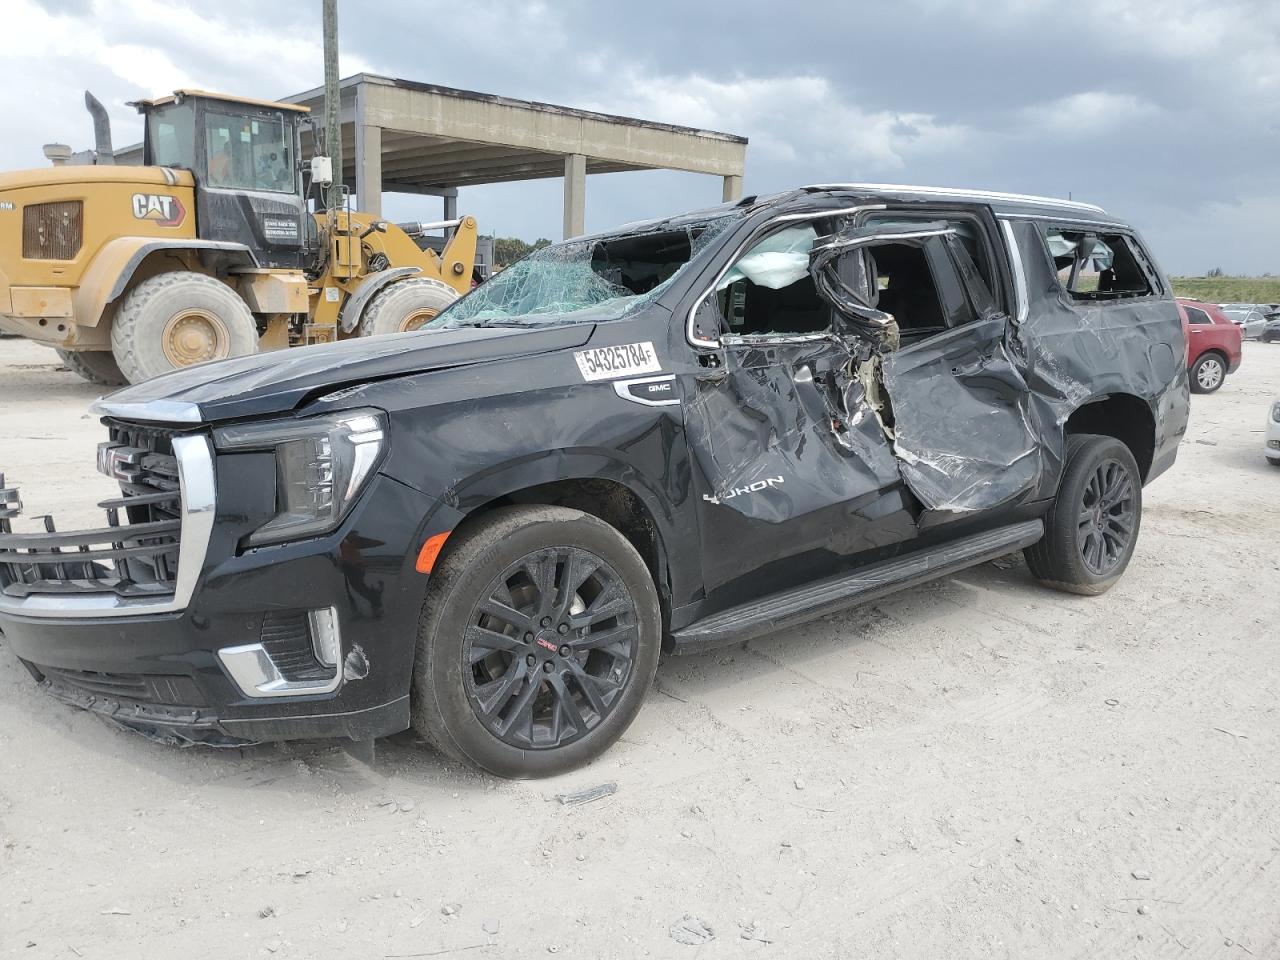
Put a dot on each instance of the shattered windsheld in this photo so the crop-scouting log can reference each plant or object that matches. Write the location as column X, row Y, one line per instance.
column 601, row 278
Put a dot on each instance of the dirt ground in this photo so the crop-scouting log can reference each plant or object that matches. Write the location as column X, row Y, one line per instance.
column 977, row 768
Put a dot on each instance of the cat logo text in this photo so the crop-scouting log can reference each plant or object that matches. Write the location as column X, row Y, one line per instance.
column 160, row 208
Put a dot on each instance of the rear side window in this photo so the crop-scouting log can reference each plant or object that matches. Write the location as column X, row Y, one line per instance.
column 1195, row 315
column 1096, row 266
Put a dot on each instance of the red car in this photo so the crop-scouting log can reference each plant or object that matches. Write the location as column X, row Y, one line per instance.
column 1213, row 344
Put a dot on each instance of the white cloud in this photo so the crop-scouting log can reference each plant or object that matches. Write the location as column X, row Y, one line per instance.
column 129, row 49
column 1085, row 114
column 800, row 119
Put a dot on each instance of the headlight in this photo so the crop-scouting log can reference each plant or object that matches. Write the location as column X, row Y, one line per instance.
column 1275, row 412
column 321, row 465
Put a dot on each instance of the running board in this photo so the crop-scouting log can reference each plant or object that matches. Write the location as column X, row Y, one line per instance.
column 783, row 610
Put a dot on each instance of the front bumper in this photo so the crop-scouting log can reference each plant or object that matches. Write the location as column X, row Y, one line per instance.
column 161, row 673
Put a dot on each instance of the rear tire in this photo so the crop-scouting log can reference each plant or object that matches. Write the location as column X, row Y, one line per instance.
column 1092, row 527
column 406, row 305
column 96, row 366
column 1208, row 373
column 178, row 319
column 554, row 677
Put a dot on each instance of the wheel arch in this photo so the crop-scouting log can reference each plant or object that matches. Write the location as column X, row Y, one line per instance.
column 1222, row 355
column 353, row 310
column 592, row 482
column 124, row 261
column 1124, row 416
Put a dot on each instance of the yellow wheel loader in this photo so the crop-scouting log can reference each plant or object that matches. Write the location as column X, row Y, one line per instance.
column 209, row 250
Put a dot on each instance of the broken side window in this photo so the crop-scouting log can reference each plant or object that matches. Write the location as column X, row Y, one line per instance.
column 1093, row 266
column 906, row 287
column 769, row 291
column 966, row 228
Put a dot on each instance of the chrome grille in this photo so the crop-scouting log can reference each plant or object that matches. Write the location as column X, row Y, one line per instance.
column 134, row 555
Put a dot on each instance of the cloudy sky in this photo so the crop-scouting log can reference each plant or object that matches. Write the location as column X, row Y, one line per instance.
column 1167, row 111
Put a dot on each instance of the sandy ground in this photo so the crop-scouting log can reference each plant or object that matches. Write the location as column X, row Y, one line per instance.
column 978, row 768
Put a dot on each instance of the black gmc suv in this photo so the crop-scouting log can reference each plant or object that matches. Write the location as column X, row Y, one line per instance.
column 685, row 433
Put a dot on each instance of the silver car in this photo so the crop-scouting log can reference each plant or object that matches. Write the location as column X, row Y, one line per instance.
column 1249, row 317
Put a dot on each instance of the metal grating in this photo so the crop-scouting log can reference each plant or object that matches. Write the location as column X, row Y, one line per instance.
column 175, row 691
column 52, row 231
column 134, row 555
column 286, row 636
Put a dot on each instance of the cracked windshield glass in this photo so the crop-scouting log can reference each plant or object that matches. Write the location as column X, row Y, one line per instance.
column 584, row 281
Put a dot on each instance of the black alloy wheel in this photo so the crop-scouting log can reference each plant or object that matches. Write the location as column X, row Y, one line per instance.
column 549, row 648
column 1091, row 530
column 1106, row 517
column 538, row 641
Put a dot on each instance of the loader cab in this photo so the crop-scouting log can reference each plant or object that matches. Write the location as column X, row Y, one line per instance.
column 244, row 157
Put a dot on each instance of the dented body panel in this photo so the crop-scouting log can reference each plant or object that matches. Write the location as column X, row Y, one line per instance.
column 864, row 428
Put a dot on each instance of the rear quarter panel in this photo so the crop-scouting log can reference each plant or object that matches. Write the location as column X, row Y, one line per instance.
column 1081, row 351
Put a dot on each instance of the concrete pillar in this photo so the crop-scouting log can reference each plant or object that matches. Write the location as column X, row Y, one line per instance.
column 575, row 195
column 369, row 168
column 731, row 189
column 450, row 206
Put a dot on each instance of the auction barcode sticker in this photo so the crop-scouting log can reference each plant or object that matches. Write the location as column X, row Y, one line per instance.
column 605, row 363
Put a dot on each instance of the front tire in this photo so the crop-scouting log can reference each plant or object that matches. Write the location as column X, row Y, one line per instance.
column 1208, row 373
column 1092, row 527
column 406, row 305
column 178, row 319
column 538, row 641
column 96, row 366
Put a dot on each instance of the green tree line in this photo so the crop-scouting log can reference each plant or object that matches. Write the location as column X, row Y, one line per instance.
column 507, row 250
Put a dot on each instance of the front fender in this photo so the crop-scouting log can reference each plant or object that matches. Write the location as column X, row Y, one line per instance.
column 512, row 477
column 112, row 269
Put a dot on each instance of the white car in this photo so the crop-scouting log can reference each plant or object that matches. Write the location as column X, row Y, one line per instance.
column 1250, row 318
column 1273, row 434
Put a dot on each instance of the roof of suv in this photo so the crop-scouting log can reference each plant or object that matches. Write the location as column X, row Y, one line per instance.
column 1006, row 204
column 1013, row 204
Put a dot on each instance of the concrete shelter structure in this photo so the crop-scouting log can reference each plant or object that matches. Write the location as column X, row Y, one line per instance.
column 400, row 136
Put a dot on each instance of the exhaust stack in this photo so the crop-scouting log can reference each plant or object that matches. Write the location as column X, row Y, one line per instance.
column 101, row 129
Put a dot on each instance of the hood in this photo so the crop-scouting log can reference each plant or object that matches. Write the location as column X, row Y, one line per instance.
column 277, row 382
column 90, row 174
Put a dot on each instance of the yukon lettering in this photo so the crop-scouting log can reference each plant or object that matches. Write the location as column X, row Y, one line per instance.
column 756, row 487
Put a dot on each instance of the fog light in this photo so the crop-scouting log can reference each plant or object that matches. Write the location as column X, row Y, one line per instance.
column 251, row 668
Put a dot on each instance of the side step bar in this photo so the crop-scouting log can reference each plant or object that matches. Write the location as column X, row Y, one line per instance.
column 783, row 610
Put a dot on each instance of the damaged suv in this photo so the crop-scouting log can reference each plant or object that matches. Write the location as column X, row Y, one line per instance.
column 680, row 434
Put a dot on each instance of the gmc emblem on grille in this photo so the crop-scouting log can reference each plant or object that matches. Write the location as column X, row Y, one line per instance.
column 119, row 462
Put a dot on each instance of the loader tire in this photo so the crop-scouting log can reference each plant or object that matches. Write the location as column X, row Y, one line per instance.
column 96, row 366
column 406, row 305
column 178, row 319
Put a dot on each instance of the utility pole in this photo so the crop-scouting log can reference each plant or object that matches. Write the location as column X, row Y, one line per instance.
column 332, row 102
